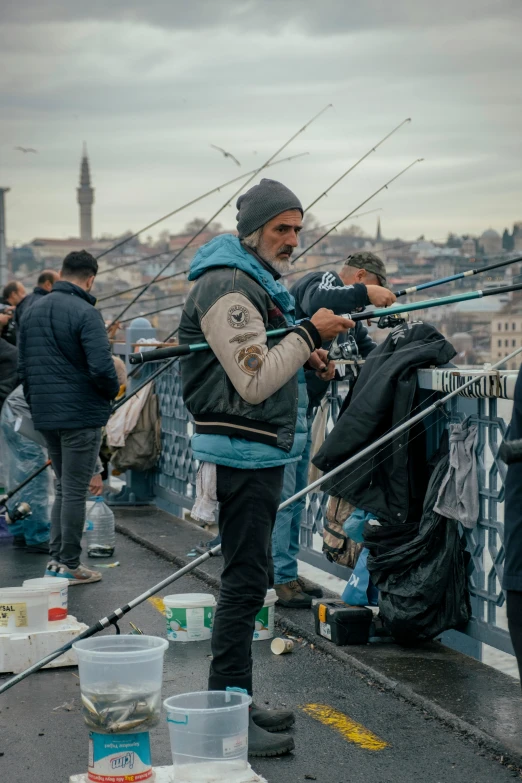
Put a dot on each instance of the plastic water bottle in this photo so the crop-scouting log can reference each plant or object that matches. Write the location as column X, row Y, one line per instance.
column 100, row 529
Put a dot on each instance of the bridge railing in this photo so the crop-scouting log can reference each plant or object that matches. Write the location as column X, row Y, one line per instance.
column 488, row 404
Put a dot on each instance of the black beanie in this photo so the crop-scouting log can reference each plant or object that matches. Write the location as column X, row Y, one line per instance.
column 262, row 203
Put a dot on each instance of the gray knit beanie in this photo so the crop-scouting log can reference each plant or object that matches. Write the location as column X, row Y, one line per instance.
column 262, row 203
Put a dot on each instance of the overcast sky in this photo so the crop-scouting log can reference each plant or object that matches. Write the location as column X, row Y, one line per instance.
column 150, row 85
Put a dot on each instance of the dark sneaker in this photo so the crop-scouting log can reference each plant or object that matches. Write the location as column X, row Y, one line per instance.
column 38, row 549
column 19, row 542
column 292, row 596
column 78, row 576
column 272, row 720
column 262, row 744
column 310, row 588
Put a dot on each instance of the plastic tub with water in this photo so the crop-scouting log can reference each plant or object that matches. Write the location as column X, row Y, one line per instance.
column 56, row 590
column 208, row 735
column 120, row 682
column 23, row 609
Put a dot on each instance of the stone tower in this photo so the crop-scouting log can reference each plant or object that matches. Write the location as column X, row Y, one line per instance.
column 85, row 195
column 378, row 237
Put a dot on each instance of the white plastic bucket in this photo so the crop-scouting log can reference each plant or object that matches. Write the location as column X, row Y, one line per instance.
column 56, row 590
column 264, row 628
column 208, row 735
column 23, row 609
column 189, row 616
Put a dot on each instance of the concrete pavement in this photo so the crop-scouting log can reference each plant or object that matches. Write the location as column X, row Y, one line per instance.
column 346, row 729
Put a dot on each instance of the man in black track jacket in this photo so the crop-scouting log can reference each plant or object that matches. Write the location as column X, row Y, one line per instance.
column 66, row 367
column 359, row 283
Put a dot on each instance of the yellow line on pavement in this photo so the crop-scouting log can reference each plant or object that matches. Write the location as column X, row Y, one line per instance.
column 157, row 603
column 345, row 726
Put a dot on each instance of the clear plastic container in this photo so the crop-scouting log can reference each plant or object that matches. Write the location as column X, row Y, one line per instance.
column 23, row 610
column 120, row 682
column 100, row 529
column 56, row 590
column 208, row 735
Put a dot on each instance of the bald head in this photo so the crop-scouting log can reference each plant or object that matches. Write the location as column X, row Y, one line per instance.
column 47, row 279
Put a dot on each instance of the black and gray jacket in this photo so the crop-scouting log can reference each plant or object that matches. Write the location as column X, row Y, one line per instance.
column 391, row 483
column 247, row 386
column 326, row 289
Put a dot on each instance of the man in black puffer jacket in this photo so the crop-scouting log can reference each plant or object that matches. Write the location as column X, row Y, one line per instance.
column 69, row 379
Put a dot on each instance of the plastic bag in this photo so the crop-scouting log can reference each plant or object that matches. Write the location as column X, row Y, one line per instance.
column 354, row 525
column 360, row 591
column 422, row 581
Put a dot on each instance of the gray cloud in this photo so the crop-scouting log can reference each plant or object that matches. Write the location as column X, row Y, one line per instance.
column 151, row 85
column 274, row 16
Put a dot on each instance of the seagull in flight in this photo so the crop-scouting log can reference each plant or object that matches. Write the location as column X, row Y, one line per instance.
column 26, row 149
column 226, row 154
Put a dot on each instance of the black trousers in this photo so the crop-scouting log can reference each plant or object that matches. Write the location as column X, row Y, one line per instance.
column 514, row 616
column 248, row 506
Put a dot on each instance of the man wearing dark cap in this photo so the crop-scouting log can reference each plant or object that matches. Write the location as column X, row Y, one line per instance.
column 359, row 283
column 248, row 399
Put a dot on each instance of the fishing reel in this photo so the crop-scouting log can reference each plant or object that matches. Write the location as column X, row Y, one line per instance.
column 344, row 352
column 391, row 321
column 19, row 511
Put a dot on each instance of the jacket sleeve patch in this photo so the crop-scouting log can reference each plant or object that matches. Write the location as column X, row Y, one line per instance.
column 250, row 359
column 238, row 316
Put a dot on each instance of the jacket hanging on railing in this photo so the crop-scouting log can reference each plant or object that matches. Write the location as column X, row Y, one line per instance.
column 459, row 492
column 391, row 483
column 143, row 443
column 422, row 582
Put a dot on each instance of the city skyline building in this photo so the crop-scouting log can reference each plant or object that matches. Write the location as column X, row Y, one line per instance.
column 85, row 198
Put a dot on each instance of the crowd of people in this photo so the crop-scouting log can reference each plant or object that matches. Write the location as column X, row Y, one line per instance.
column 251, row 397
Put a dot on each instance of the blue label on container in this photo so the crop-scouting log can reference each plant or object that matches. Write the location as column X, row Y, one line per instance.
column 119, row 757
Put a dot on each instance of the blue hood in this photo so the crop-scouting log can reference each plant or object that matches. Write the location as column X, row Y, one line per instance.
column 226, row 250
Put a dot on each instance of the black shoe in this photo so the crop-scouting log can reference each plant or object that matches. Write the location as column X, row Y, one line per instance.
column 272, row 720
column 38, row 549
column 262, row 744
column 19, row 542
column 308, row 587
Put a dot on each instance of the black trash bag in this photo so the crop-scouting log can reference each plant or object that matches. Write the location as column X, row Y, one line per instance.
column 423, row 582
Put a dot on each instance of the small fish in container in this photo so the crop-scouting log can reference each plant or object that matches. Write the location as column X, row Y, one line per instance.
column 120, row 685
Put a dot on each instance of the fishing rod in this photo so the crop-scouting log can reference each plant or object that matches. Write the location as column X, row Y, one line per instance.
column 341, row 260
column 189, row 204
column 370, row 312
column 383, row 187
column 141, row 285
column 218, row 212
column 183, row 271
column 153, row 312
column 117, row 614
column 147, row 301
column 458, row 276
column 367, row 154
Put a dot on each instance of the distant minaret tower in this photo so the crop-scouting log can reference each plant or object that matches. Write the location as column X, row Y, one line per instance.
column 378, row 238
column 85, row 198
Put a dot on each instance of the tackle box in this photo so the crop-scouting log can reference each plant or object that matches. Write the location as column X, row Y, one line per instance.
column 340, row 623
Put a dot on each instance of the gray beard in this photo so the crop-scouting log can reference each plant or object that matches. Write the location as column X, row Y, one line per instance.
column 280, row 266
